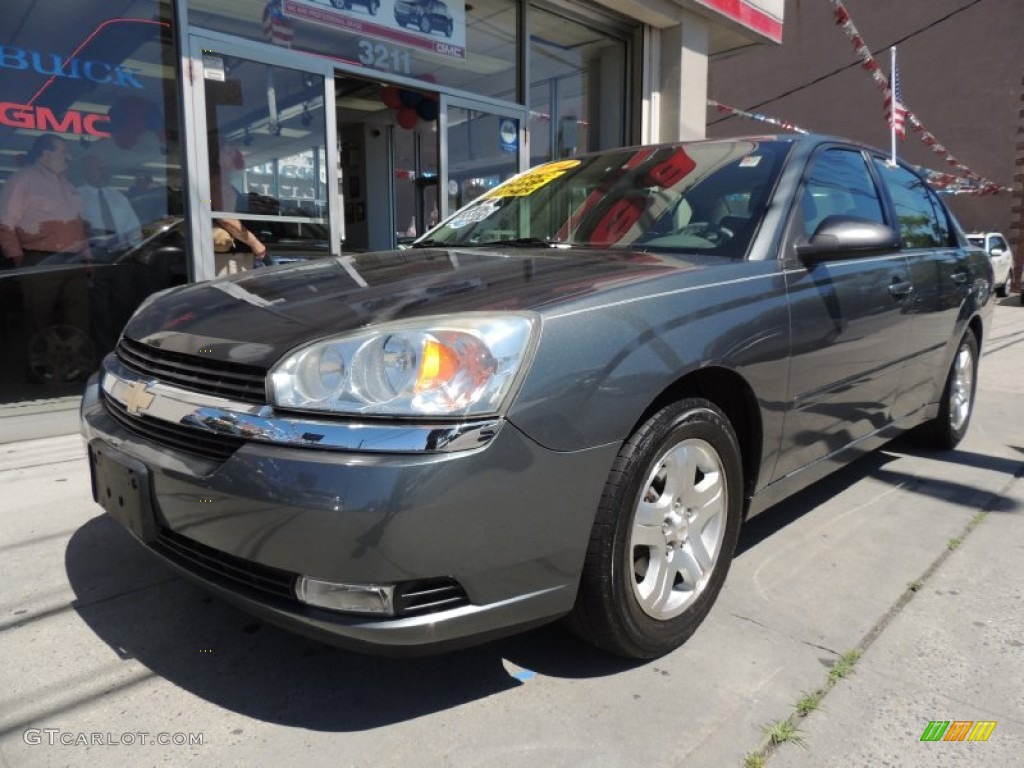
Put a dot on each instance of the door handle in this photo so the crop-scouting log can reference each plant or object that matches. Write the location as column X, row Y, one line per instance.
column 959, row 277
column 900, row 289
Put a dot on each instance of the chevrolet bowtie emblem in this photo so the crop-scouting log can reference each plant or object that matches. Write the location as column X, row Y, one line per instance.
column 137, row 398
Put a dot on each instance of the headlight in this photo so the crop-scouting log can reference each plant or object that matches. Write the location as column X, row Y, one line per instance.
column 463, row 365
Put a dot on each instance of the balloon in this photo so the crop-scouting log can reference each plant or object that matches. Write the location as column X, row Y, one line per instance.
column 389, row 95
column 407, row 118
column 428, row 109
column 410, row 98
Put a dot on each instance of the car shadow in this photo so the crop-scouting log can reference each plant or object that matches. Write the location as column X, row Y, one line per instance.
column 776, row 518
column 144, row 611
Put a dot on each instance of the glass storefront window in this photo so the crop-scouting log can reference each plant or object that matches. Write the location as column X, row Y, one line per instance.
column 90, row 183
column 578, row 88
column 469, row 46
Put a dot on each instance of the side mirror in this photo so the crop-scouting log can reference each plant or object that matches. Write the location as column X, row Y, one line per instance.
column 841, row 237
column 997, row 251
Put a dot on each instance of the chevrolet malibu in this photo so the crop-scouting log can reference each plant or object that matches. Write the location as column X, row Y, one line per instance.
column 562, row 402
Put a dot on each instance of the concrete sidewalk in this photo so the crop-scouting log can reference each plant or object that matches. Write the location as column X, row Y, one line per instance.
column 103, row 643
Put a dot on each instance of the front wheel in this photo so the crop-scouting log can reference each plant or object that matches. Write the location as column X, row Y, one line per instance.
column 664, row 534
column 947, row 429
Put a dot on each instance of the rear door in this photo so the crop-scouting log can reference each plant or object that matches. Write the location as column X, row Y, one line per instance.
column 850, row 330
column 941, row 276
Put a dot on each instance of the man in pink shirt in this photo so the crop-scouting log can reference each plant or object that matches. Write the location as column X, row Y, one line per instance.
column 41, row 226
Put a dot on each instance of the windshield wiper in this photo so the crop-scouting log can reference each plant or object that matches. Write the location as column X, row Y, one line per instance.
column 513, row 242
column 518, row 242
column 429, row 243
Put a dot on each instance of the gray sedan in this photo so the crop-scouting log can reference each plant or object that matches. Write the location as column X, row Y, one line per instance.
column 563, row 401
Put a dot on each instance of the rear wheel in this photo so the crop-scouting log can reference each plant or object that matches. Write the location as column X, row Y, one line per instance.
column 425, row 24
column 1004, row 289
column 664, row 534
column 949, row 427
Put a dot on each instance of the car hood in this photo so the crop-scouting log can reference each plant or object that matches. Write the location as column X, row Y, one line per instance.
column 255, row 318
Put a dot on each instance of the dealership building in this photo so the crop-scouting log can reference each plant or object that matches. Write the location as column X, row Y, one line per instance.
column 168, row 141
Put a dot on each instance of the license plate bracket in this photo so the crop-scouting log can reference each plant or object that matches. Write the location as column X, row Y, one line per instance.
column 121, row 485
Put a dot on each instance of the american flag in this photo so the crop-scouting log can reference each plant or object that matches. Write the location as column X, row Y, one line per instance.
column 895, row 112
column 277, row 27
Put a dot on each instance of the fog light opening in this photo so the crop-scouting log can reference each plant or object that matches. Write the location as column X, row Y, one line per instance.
column 376, row 599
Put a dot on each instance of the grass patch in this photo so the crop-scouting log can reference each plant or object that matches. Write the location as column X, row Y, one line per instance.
column 782, row 732
column 755, row 760
column 843, row 666
column 954, row 543
column 915, row 586
column 809, row 702
column 978, row 518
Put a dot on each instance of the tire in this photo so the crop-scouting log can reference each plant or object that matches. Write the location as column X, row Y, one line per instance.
column 425, row 25
column 1004, row 290
column 449, row 29
column 61, row 354
column 373, row 7
column 947, row 429
column 662, row 539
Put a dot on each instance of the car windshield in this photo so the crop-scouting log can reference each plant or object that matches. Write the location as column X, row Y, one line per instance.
column 707, row 196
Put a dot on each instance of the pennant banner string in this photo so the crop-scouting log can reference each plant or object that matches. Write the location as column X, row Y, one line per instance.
column 946, row 183
column 868, row 62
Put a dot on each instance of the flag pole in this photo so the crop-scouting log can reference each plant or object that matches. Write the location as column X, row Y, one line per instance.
column 892, row 106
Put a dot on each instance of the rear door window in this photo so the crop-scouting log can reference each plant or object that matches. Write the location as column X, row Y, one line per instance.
column 921, row 218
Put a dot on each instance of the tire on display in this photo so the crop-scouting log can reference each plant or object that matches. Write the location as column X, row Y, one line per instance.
column 425, row 25
column 664, row 534
column 950, row 425
column 373, row 7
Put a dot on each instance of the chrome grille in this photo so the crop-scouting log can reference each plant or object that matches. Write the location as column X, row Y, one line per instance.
column 182, row 438
column 237, row 381
column 413, row 598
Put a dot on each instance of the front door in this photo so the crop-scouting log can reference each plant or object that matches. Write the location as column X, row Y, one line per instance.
column 388, row 163
column 850, row 325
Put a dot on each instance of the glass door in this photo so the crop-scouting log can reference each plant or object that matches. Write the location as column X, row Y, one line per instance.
column 263, row 164
column 482, row 146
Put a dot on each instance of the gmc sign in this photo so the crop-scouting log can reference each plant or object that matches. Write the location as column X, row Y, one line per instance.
column 44, row 119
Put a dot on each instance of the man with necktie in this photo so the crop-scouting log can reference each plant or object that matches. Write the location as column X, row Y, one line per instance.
column 113, row 225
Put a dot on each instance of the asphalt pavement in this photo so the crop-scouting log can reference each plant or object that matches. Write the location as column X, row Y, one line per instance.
column 888, row 599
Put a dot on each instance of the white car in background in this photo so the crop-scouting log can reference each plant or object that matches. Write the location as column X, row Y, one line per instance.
column 999, row 253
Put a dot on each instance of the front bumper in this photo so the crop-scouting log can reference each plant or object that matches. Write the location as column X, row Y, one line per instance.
column 508, row 523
